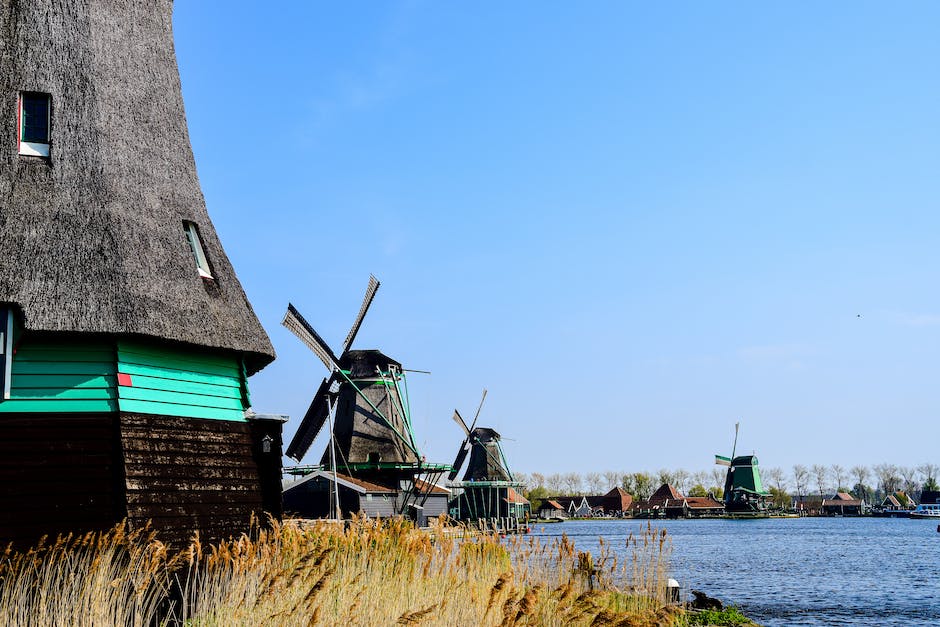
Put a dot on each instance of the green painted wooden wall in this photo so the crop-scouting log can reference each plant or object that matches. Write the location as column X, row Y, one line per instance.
column 54, row 376
column 69, row 375
column 180, row 383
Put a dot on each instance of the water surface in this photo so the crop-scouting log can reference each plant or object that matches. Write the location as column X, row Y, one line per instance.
column 797, row 571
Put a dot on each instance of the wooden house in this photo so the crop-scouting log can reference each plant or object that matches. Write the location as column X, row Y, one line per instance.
column 582, row 506
column 843, row 504
column 693, row 507
column 655, row 505
column 126, row 340
column 617, row 502
column 312, row 495
column 552, row 509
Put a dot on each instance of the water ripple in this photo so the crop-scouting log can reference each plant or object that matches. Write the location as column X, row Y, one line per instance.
column 807, row 571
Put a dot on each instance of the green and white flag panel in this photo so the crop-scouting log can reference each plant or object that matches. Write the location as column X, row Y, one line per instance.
column 721, row 460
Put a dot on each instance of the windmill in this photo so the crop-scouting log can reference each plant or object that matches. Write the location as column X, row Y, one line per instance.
column 488, row 486
column 128, row 341
column 372, row 437
column 744, row 491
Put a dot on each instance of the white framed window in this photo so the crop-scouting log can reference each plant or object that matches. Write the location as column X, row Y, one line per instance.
column 34, row 118
column 199, row 253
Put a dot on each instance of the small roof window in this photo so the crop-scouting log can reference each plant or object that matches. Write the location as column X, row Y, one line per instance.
column 199, row 253
column 34, row 124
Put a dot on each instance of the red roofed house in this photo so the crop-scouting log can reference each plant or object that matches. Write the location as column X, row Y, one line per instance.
column 843, row 504
column 617, row 502
column 552, row 509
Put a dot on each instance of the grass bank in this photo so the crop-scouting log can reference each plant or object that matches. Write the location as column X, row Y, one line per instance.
column 365, row 573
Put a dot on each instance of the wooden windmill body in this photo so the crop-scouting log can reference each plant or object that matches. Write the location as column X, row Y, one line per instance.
column 127, row 339
column 372, row 441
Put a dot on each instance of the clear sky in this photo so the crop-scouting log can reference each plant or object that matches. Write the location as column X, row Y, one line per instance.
column 634, row 224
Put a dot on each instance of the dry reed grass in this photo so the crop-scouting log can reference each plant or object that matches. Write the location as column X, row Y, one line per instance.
column 364, row 573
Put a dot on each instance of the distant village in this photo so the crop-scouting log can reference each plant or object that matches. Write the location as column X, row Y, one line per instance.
column 808, row 491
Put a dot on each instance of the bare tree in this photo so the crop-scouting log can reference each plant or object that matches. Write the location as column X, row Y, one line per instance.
column 554, row 482
column 838, row 473
column 700, row 478
column 800, row 479
column 888, row 479
column 861, row 474
column 928, row 473
column 595, row 482
column 821, row 475
column 909, row 476
column 572, row 482
column 776, row 478
column 862, row 491
column 538, row 480
column 680, row 478
column 611, row 478
column 718, row 478
column 524, row 479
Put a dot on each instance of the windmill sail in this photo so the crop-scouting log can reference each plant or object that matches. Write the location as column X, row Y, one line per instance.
column 312, row 422
column 460, row 423
column 297, row 325
column 371, row 289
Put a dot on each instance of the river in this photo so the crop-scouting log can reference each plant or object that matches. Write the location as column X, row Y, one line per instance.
column 796, row 571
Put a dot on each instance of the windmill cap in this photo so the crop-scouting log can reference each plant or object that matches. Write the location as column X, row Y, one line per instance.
column 485, row 434
column 363, row 363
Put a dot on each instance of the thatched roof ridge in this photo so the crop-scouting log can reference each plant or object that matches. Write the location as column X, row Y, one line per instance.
column 93, row 238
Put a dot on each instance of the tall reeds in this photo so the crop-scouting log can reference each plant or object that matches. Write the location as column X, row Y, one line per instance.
column 366, row 572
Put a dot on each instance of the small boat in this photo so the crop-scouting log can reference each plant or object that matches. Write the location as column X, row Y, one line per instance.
column 927, row 510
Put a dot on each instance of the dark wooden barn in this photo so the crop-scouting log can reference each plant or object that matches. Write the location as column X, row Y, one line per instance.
column 126, row 339
column 311, row 497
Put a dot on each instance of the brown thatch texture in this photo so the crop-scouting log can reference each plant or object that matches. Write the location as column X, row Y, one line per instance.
column 92, row 240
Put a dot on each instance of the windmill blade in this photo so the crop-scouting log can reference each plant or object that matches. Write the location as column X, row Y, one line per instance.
column 366, row 301
column 460, row 423
column 473, row 424
column 461, row 455
column 297, row 325
column 313, row 421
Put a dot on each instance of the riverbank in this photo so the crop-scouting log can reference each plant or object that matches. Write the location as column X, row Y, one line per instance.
column 367, row 573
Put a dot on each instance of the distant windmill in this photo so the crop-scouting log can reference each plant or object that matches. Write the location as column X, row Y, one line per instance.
column 488, row 487
column 487, row 462
column 372, row 432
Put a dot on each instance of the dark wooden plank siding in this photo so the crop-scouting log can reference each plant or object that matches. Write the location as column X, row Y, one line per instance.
column 185, row 474
column 71, row 473
column 58, row 474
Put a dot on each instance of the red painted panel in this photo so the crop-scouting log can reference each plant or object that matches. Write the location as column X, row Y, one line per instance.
column 125, row 379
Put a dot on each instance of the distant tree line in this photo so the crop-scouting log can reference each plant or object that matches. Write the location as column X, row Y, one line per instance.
column 871, row 483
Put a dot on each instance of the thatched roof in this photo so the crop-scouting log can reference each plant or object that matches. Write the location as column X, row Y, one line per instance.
column 92, row 239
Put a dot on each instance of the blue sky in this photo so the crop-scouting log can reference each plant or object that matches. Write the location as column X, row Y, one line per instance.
column 635, row 225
